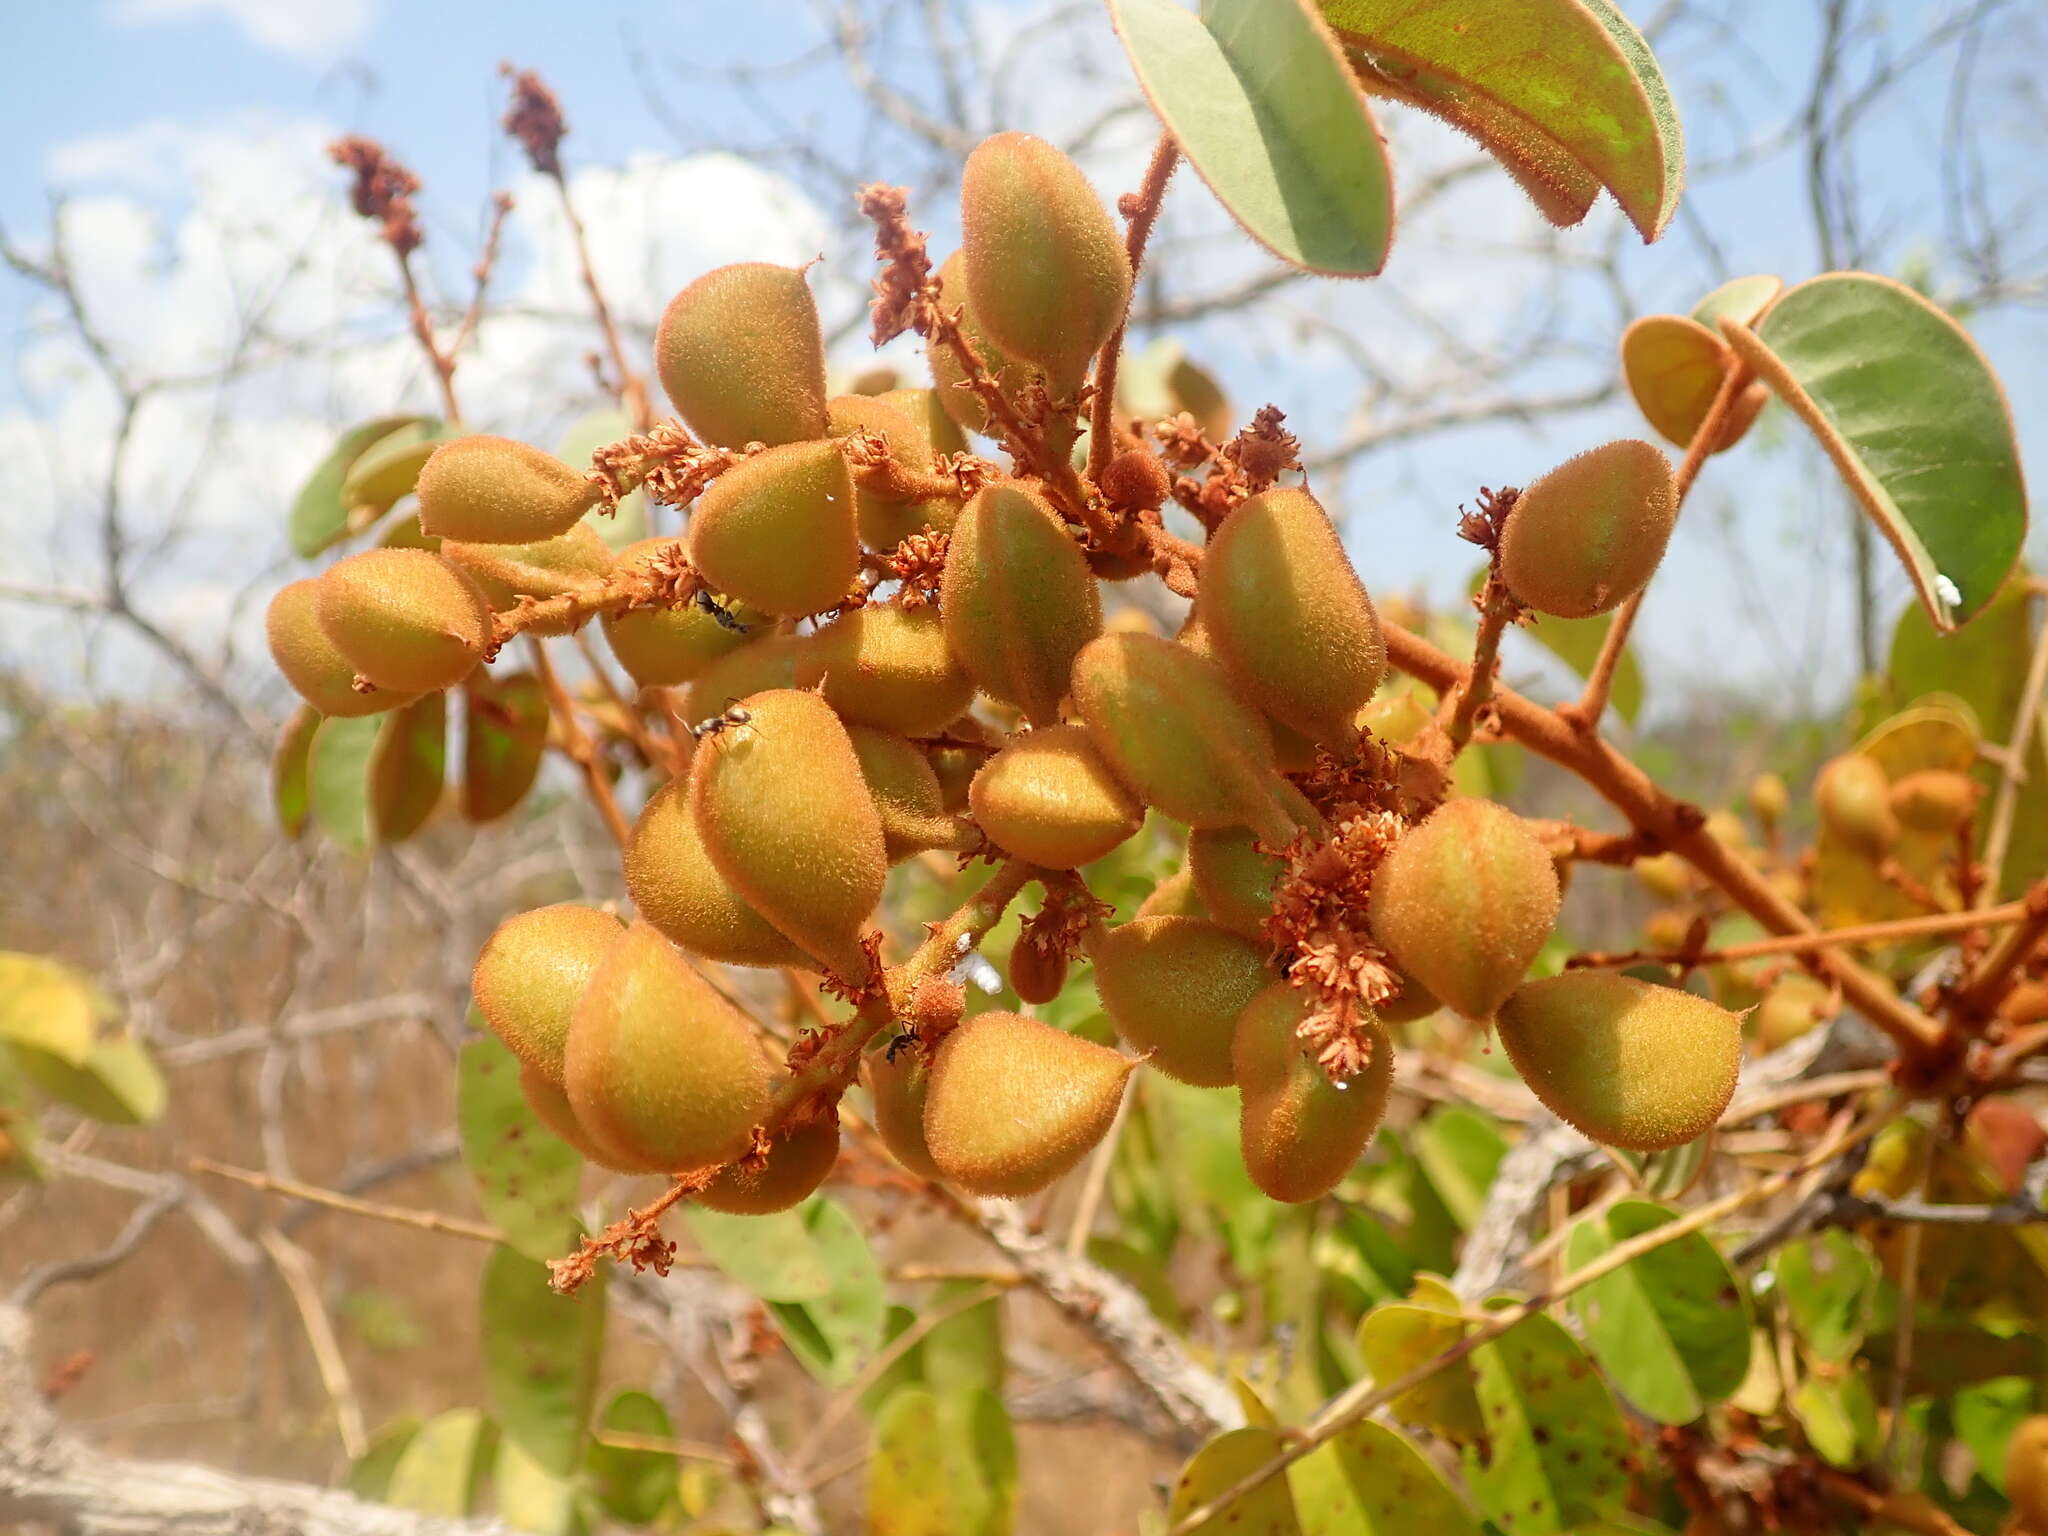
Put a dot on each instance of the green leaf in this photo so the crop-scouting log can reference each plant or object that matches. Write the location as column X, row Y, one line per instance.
column 1915, row 422
column 369, row 1476
column 1985, row 1417
column 1839, row 1415
column 386, row 472
column 1257, row 95
column 338, row 779
column 117, row 1083
column 505, row 740
column 633, row 1485
column 318, row 517
column 1670, row 1328
column 288, row 794
column 531, row 1498
column 834, row 1333
column 922, row 1480
column 773, row 1257
column 979, row 1440
column 1984, row 665
column 1459, row 1151
column 1827, row 1283
column 966, row 1350
column 1559, row 1449
column 407, row 766
column 1268, row 1510
column 49, row 1006
column 526, row 1177
column 1564, row 92
column 1372, row 1481
column 443, row 1467
column 1740, row 298
column 584, row 437
column 1673, row 366
column 541, row 1354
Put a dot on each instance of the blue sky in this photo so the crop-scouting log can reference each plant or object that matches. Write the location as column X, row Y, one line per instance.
column 141, row 101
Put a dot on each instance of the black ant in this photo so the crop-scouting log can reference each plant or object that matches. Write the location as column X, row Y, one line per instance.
column 720, row 614
column 735, row 715
column 902, row 1042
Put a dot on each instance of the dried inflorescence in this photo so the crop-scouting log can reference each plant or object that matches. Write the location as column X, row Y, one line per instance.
column 383, row 190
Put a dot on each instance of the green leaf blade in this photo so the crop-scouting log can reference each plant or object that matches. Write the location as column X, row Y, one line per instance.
column 541, row 1354
column 526, row 1177
column 1558, row 1448
column 319, row 518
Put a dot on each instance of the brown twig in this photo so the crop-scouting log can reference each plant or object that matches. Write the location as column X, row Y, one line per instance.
column 1862, row 935
column 501, row 208
column 1497, row 610
column 425, row 1221
column 1978, row 996
column 1142, row 209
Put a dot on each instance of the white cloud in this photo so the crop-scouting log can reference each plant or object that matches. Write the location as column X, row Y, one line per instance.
column 311, row 30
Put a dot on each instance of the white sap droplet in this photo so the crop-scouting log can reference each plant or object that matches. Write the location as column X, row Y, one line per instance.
column 1948, row 591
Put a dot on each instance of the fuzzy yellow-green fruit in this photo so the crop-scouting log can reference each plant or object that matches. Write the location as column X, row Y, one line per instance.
column 1396, row 715
column 741, row 354
column 492, row 490
column 1236, row 880
column 310, row 662
column 777, row 530
column 406, row 620
column 1045, row 264
column 888, row 666
column 551, row 1107
column 1769, row 798
column 1934, row 800
column 661, row 647
column 1628, row 1063
column 1299, row 1132
column 659, row 1064
column 1464, row 903
column 906, row 793
column 1667, row 928
column 532, row 971
column 1793, row 1006
column 1589, row 535
column 1018, row 599
column 1665, row 875
column 1050, row 799
column 1174, row 987
column 786, row 815
column 1854, row 799
column 885, row 521
column 1014, row 1103
column 796, row 1163
column 1414, row 1001
column 759, row 663
column 956, row 767
column 1170, row 726
column 898, row 1087
column 1037, row 975
column 676, row 888
column 928, row 414
column 1010, row 374
column 1175, row 896
column 572, row 563
column 1292, row 751
column 1288, row 617
column 2026, row 1473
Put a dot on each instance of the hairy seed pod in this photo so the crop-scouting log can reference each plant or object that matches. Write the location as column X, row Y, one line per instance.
column 796, row 1163
column 956, row 767
column 1014, row 1103
column 777, row 530
column 1046, row 267
column 1018, row 600
column 788, row 820
column 1037, row 975
column 1171, row 728
column 1299, row 1132
column 676, row 888
column 1050, row 799
column 1174, row 987
column 661, row 647
column 1589, row 535
column 761, row 662
column 1854, row 798
column 1236, row 880
column 1934, row 800
column 898, row 1085
column 573, row 563
column 406, row 620
column 1287, row 616
column 491, row 490
column 1175, row 896
column 660, row 1064
column 1464, row 903
column 1769, row 798
column 1136, row 479
column 2026, row 1473
column 888, row 666
column 1630, row 1064
column 1010, row 374
column 906, row 793
column 886, row 521
column 1292, row 751
column 551, row 1107
column 532, row 971
column 1793, row 1006
column 311, row 663
column 928, row 414
column 1414, row 1001
column 740, row 353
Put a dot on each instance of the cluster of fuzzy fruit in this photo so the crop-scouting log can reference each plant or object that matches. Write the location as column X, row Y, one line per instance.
column 982, row 704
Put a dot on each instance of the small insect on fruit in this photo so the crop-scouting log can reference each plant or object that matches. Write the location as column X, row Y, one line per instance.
column 903, row 1042
column 735, row 715
column 719, row 614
